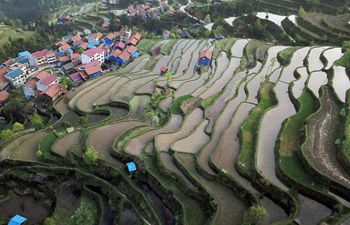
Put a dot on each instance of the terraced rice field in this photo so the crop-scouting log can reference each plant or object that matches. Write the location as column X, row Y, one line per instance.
column 188, row 149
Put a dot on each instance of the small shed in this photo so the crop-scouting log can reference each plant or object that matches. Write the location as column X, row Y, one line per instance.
column 17, row 220
column 131, row 167
column 205, row 58
column 163, row 70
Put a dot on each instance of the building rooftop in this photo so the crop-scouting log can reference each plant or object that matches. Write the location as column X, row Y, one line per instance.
column 4, row 95
column 14, row 73
column 41, row 75
column 17, row 220
column 131, row 166
column 93, row 51
column 53, row 90
column 24, row 54
column 49, row 80
column 40, row 54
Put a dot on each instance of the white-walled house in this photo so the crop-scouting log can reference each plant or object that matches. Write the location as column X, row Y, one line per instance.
column 94, row 54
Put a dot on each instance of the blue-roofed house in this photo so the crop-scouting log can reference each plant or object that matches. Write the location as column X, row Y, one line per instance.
column 24, row 54
column 205, row 58
column 131, row 167
column 17, row 220
column 67, row 37
column 16, row 77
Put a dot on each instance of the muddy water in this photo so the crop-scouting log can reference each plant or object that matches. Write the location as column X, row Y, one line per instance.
column 27, row 151
column 194, row 142
column 97, row 117
column 168, row 163
column 299, row 85
column 225, row 77
column 268, row 133
column 315, row 62
column 163, row 141
column 270, row 65
column 332, row 55
column 256, row 68
column 316, row 80
column 311, row 212
column 222, row 64
column 276, row 19
column 228, row 147
column 296, row 61
column 136, row 145
column 87, row 87
column 341, row 82
column 104, row 99
column 128, row 215
column 62, row 146
column 229, row 92
column 26, row 206
column 238, row 46
column 164, row 214
column 102, row 138
column 275, row 75
column 230, row 207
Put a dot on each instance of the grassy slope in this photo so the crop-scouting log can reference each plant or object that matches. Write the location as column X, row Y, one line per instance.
column 250, row 126
column 291, row 139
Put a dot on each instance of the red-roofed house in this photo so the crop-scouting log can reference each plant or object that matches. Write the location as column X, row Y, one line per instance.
column 205, row 58
column 53, row 92
column 120, row 45
column 76, row 38
column 163, row 70
column 64, row 47
column 40, row 56
column 93, row 69
column 93, row 54
column 133, row 41
column 45, row 83
column 4, row 95
column 50, row 58
column 74, row 57
column 123, row 58
column 41, row 75
column 76, row 78
column 3, row 81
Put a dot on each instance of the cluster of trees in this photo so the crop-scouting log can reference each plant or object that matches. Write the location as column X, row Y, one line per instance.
column 9, row 133
column 90, row 157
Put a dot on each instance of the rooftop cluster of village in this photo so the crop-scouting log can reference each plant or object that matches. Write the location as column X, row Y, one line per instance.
column 76, row 57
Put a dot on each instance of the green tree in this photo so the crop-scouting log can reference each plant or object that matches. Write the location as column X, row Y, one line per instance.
column 256, row 215
column 301, row 11
column 90, row 156
column 169, row 76
column 84, row 214
column 49, row 221
column 66, row 83
column 37, row 121
column 39, row 154
column 16, row 127
column 6, row 135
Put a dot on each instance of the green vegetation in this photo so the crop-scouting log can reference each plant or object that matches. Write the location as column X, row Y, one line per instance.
column 250, row 129
column 223, row 46
column 255, row 215
column 206, row 103
column 168, row 47
column 175, row 107
column 86, row 213
column 146, row 45
column 291, row 139
column 286, row 55
column 6, row 135
column 37, row 121
column 45, row 145
column 90, row 156
column 16, row 127
column 346, row 142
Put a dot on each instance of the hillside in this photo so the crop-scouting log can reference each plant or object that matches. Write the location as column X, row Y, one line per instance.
column 252, row 137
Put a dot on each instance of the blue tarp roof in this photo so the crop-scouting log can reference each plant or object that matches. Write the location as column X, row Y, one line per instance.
column 59, row 54
column 131, row 166
column 108, row 42
column 15, row 73
column 17, row 220
column 22, row 54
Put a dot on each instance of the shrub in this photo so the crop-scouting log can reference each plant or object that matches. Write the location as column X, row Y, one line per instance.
column 16, row 127
column 90, row 156
column 6, row 135
column 37, row 121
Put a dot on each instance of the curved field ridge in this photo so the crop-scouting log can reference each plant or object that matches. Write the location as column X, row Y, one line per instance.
column 319, row 148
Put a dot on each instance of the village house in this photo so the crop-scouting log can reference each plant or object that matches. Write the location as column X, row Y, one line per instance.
column 3, row 82
column 76, row 78
column 133, row 51
column 50, row 58
column 53, row 92
column 123, row 58
column 17, row 220
column 205, row 58
column 45, row 83
column 40, row 57
column 16, row 76
column 94, row 54
column 119, row 45
column 135, row 39
column 29, row 89
column 92, row 70
column 163, row 70
column 4, row 95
